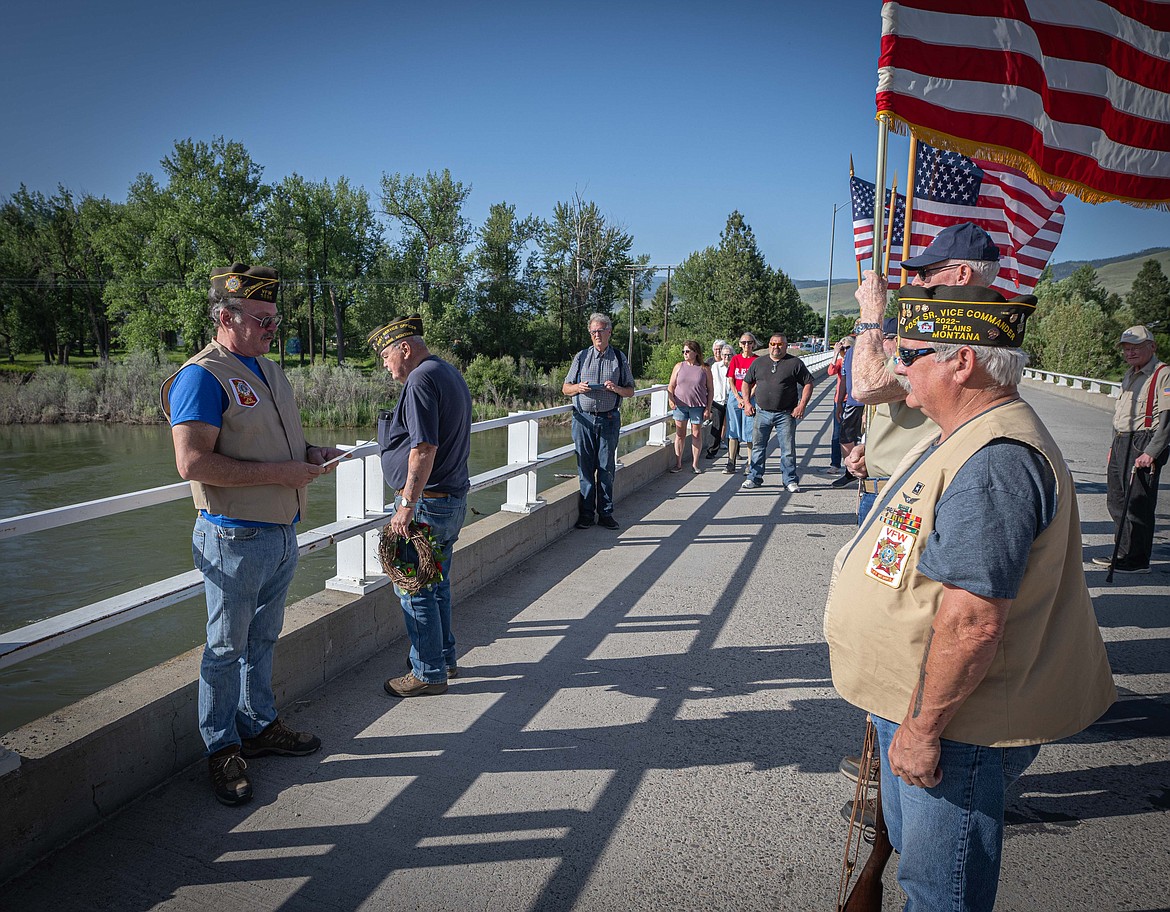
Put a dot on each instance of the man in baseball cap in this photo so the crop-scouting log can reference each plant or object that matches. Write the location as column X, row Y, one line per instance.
column 1141, row 433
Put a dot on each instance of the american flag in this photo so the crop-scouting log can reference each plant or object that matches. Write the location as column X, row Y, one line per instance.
column 1024, row 220
column 862, row 192
column 1075, row 92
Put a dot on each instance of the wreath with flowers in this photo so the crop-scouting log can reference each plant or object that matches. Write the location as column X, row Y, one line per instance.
column 408, row 574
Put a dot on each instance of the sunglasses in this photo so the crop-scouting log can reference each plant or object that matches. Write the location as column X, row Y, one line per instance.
column 745, row 342
column 909, row 355
column 265, row 322
column 926, row 272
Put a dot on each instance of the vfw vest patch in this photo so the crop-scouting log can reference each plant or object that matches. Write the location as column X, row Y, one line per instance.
column 243, row 392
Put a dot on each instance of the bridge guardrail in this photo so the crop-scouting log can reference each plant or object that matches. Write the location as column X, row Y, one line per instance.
column 361, row 512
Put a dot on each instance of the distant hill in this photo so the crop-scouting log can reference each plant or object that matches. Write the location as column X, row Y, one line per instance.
column 1116, row 274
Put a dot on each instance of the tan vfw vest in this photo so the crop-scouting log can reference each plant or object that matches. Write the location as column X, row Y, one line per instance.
column 261, row 424
column 891, row 429
column 1050, row 677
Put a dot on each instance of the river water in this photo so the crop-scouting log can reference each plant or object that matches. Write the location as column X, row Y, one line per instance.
column 48, row 573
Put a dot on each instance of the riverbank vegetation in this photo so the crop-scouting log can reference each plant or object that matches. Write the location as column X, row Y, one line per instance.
column 126, row 389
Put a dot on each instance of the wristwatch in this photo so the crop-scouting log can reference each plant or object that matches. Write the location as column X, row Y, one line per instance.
column 864, row 327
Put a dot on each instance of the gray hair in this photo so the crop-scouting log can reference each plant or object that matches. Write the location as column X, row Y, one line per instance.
column 600, row 318
column 219, row 303
column 718, row 344
column 1005, row 366
column 984, row 271
column 748, row 332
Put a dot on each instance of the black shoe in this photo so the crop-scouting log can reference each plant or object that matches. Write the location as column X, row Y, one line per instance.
column 583, row 522
column 607, row 522
column 229, row 781
column 844, row 481
column 278, row 738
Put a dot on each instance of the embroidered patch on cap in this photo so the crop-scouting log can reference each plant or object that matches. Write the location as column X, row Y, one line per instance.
column 243, row 392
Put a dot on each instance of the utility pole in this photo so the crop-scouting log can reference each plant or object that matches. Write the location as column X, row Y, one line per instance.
column 829, row 286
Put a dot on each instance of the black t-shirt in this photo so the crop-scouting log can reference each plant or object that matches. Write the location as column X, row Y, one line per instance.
column 778, row 383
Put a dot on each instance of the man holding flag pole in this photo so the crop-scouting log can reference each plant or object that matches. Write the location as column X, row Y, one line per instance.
column 1073, row 96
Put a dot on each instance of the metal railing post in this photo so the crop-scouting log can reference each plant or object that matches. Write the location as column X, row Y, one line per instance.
column 658, row 433
column 359, row 491
column 523, row 447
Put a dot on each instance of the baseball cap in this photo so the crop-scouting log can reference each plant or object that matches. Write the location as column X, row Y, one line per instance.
column 1136, row 335
column 956, row 242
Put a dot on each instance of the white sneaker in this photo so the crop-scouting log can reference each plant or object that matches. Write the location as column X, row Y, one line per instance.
column 793, row 487
column 749, row 484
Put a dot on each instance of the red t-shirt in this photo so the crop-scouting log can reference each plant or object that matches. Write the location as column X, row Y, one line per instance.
column 738, row 368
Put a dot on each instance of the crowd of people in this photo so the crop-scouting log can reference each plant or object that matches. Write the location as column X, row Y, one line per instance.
column 959, row 617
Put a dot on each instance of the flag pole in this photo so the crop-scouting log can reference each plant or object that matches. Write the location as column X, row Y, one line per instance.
column 890, row 221
column 855, row 260
column 911, row 177
column 879, row 202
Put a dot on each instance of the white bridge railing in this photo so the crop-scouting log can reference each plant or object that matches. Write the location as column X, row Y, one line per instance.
column 1106, row 387
column 361, row 512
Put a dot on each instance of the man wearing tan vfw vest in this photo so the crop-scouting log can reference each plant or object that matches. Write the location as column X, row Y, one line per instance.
column 238, row 440
column 958, row 616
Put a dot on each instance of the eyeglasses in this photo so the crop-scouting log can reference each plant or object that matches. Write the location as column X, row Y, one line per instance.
column 926, row 272
column 909, row 355
column 777, row 344
column 599, row 332
column 265, row 322
column 746, row 342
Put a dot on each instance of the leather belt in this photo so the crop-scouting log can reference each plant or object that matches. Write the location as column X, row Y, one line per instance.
column 429, row 495
column 873, row 485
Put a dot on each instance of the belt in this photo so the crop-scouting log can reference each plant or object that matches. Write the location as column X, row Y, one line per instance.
column 429, row 495
column 605, row 413
column 873, row 485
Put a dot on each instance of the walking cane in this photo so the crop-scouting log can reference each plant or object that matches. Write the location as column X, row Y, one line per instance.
column 1121, row 525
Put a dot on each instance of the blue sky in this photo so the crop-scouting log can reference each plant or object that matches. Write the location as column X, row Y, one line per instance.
column 667, row 115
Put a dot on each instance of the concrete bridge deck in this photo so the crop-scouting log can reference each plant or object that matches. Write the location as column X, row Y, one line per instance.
column 644, row 721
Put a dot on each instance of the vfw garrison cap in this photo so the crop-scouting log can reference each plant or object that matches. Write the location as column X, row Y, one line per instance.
column 395, row 331
column 962, row 315
column 250, row 283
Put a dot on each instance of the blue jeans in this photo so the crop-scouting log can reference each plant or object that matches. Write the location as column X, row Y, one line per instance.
column 739, row 425
column 785, row 427
column 950, row 837
column 246, row 575
column 864, row 505
column 596, row 440
column 427, row 613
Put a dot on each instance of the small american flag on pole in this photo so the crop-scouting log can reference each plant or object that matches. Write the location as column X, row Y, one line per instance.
column 862, row 193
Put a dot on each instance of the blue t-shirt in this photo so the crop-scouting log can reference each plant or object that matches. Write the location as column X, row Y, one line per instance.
column 1002, row 498
column 197, row 396
column 435, row 408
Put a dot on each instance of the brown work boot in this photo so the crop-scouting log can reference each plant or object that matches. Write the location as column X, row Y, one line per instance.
column 278, row 738
column 410, row 686
column 229, row 779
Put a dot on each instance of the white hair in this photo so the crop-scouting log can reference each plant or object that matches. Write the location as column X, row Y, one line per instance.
column 1005, row 366
column 984, row 271
column 600, row 318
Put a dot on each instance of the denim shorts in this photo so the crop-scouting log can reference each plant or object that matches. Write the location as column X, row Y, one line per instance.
column 691, row 413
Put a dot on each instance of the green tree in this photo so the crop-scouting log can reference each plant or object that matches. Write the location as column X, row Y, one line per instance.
column 1149, row 296
column 169, row 238
column 435, row 234
column 583, row 266
column 1069, row 334
column 730, row 288
column 506, row 290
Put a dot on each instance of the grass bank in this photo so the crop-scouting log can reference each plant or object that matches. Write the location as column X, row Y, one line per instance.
column 127, row 391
